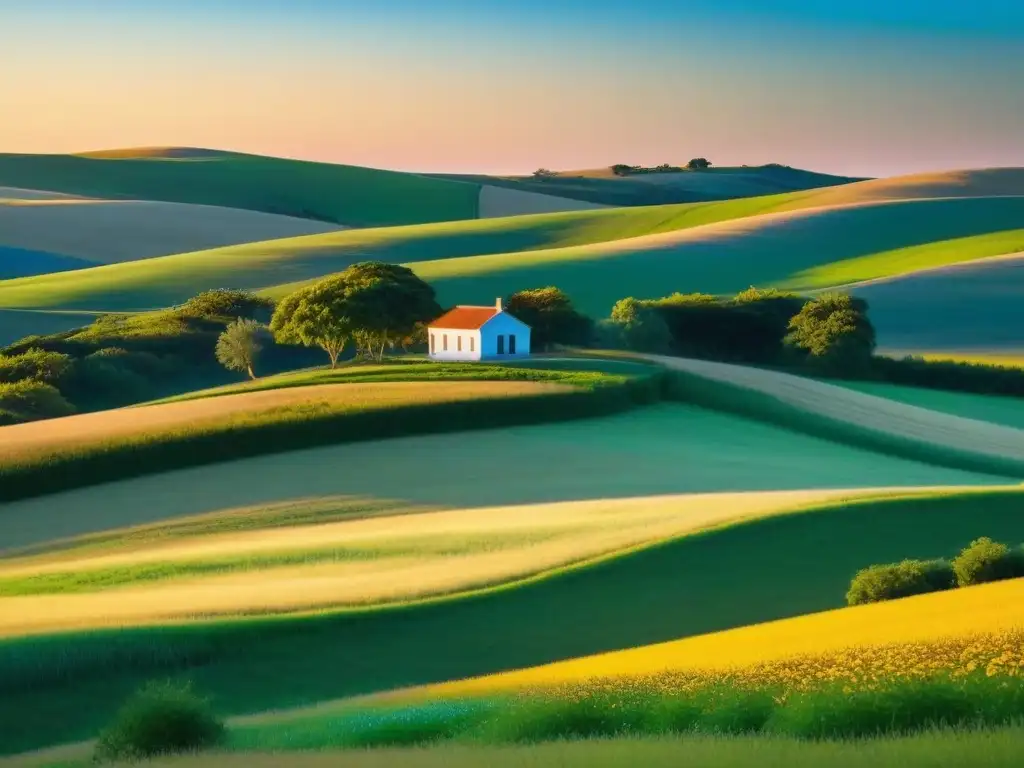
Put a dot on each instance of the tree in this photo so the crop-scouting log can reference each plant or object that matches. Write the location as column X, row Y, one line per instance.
column 543, row 174
column 551, row 317
column 371, row 303
column 834, row 331
column 316, row 316
column 621, row 169
column 641, row 328
column 240, row 345
column 386, row 303
column 699, row 164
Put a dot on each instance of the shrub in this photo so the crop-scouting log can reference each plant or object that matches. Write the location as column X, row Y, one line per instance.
column 223, row 303
column 889, row 582
column 984, row 560
column 637, row 327
column 162, row 718
column 36, row 364
column 31, row 400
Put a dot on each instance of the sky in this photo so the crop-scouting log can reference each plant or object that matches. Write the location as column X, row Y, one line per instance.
column 857, row 87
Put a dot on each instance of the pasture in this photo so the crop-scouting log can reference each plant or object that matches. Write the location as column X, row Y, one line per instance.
column 257, row 664
column 111, row 231
column 904, row 309
column 337, row 194
column 597, row 257
column 1006, row 411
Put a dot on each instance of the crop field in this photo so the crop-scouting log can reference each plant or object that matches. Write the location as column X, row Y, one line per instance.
column 1007, row 411
column 583, row 252
column 669, row 449
column 109, row 231
column 383, row 559
column 651, row 595
column 337, row 194
column 904, row 309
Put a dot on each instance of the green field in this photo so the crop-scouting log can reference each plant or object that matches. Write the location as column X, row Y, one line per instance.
column 585, row 253
column 61, row 688
column 342, row 194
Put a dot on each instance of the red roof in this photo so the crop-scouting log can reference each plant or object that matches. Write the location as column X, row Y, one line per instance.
column 465, row 318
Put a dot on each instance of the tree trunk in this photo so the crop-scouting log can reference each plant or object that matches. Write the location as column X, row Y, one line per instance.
column 252, row 374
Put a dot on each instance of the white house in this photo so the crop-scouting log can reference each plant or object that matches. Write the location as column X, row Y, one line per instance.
column 478, row 333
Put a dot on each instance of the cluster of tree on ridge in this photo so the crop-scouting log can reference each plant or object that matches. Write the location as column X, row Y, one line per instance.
column 623, row 169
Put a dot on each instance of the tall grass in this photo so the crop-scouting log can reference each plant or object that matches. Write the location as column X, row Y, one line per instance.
column 63, row 687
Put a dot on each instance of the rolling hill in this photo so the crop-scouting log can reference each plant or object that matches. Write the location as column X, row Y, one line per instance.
column 99, row 231
column 596, row 256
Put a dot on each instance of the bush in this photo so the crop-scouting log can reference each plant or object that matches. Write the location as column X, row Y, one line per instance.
column 162, row 718
column 31, row 400
column 984, row 560
column 889, row 582
column 221, row 303
column 35, row 364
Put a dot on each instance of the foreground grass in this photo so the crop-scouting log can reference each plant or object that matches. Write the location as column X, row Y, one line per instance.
column 994, row 748
column 63, row 687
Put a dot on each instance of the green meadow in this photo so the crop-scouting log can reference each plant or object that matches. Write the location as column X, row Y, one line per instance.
column 343, row 194
column 585, row 253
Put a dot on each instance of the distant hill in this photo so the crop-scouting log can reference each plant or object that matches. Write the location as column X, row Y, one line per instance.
column 602, row 186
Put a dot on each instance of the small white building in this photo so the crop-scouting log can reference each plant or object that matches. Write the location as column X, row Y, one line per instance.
column 478, row 333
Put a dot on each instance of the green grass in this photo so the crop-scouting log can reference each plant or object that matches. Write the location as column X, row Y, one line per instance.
column 903, row 261
column 494, row 257
column 1008, row 411
column 307, row 425
column 575, row 371
column 338, row 193
column 995, row 748
column 98, row 579
column 63, row 687
column 286, row 514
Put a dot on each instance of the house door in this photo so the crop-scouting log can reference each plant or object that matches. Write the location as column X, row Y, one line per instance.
column 501, row 344
column 511, row 343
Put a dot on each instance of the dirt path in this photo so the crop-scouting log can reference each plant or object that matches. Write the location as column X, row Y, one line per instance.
column 875, row 413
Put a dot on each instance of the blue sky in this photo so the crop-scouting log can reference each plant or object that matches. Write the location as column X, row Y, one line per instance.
column 866, row 88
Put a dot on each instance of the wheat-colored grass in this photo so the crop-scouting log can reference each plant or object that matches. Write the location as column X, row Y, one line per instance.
column 21, row 440
column 867, row 411
column 111, row 231
column 958, row 613
column 565, row 533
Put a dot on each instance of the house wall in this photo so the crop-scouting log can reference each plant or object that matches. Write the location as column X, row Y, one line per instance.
column 504, row 325
column 471, row 344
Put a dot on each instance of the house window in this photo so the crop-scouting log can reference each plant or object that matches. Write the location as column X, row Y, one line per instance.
column 433, row 343
column 458, row 342
column 501, row 344
column 472, row 344
column 444, row 342
column 511, row 343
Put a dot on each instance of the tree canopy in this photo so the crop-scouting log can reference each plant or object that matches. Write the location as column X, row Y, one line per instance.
column 834, row 331
column 371, row 303
column 551, row 317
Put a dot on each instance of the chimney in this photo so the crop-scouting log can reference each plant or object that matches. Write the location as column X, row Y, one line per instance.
column 497, row 304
